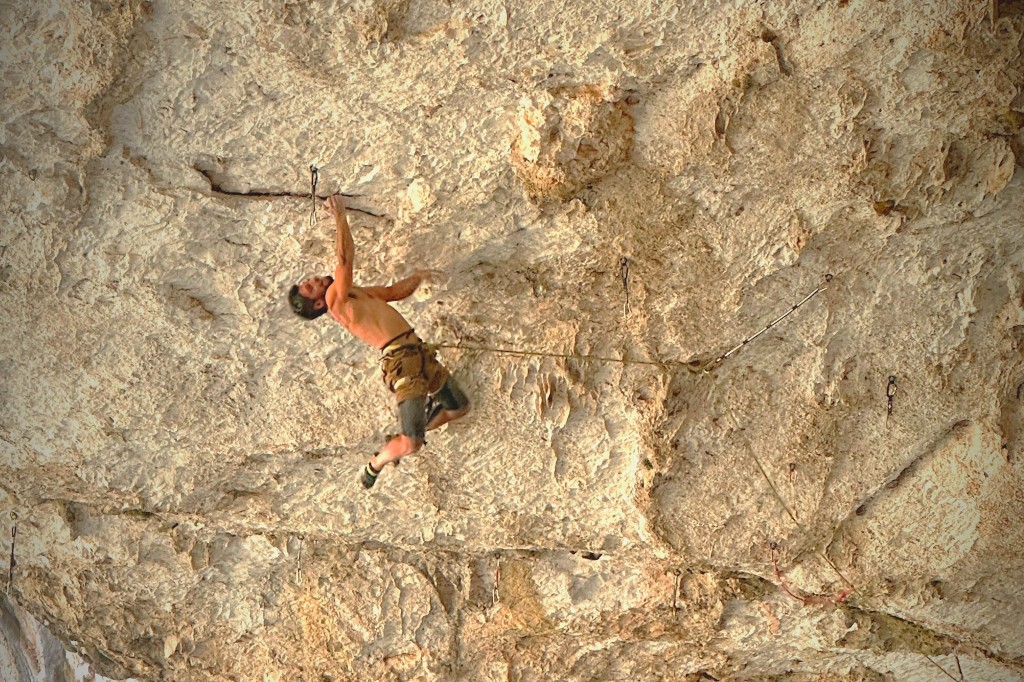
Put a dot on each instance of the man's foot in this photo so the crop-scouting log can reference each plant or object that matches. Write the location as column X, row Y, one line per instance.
column 369, row 476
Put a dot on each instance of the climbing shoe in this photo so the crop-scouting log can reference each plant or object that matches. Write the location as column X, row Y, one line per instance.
column 369, row 476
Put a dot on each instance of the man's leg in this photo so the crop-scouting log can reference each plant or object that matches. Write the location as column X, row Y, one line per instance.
column 395, row 449
column 447, row 405
column 411, row 419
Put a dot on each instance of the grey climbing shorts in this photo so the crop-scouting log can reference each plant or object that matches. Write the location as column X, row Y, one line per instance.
column 414, row 413
column 412, row 417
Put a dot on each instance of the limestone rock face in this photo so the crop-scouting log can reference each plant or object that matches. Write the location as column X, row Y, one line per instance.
column 627, row 192
column 575, row 138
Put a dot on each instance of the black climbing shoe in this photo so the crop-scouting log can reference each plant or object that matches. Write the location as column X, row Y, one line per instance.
column 369, row 476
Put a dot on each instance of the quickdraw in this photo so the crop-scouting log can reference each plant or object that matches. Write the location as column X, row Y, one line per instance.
column 14, row 562
column 314, row 178
column 890, row 393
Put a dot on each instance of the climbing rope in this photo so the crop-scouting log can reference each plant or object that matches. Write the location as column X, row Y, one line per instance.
column 780, row 318
column 694, row 365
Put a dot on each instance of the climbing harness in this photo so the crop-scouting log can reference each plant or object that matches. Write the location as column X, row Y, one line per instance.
column 408, row 365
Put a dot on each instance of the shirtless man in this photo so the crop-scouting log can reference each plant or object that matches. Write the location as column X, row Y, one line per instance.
column 427, row 395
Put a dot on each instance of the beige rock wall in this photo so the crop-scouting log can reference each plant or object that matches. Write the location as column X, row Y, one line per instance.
column 181, row 452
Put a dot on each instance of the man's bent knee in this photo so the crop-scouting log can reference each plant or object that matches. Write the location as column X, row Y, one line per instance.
column 408, row 445
column 452, row 398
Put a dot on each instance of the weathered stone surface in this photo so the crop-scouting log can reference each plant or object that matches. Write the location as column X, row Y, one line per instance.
column 181, row 452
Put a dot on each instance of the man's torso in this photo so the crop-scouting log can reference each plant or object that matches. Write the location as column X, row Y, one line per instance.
column 367, row 318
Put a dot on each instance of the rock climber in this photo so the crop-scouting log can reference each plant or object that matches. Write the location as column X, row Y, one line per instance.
column 428, row 397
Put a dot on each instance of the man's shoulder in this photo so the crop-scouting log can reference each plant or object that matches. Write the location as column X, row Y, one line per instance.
column 335, row 303
column 331, row 295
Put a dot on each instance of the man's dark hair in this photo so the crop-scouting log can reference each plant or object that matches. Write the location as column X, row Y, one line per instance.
column 302, row 306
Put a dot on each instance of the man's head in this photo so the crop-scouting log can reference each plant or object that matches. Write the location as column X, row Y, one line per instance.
column 308, row 297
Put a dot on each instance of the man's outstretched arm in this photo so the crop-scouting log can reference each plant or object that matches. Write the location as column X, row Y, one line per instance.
column 401, row 289
column 344, row 246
